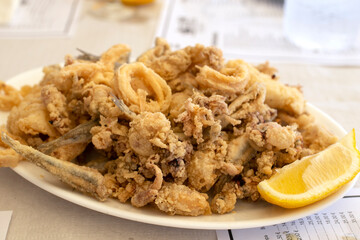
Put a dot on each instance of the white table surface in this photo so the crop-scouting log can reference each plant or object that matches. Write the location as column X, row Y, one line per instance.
column 38, row 214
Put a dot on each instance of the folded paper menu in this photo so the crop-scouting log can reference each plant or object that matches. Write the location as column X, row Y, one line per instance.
column 340, row 221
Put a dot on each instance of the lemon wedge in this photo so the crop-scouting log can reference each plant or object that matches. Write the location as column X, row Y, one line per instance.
column 314, row 177
column 136, row 2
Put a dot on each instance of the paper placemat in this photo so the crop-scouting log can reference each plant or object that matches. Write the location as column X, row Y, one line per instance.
column 341, row 221
column 246, row 29
column 5, row 217
column 42, row 18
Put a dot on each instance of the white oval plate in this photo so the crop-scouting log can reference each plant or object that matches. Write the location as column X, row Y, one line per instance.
column 245, row 215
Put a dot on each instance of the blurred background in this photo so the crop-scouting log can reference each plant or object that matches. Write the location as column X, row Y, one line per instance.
column 41, row 32
column 307, row 32
column 292, row 31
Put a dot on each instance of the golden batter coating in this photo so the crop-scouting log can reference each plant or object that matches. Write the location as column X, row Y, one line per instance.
column 9, row 97
column 182, row 200
column 169, row 130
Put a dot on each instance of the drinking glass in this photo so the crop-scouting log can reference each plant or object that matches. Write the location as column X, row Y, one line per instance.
column 324, row 25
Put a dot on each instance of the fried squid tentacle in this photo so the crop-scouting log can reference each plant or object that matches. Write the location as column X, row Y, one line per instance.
column 81, row 178
column 144, row 197
column 79, row 134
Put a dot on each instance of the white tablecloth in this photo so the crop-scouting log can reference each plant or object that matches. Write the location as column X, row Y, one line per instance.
column 38, row 214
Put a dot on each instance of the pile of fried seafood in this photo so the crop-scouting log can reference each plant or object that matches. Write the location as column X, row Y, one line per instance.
column 181, row 130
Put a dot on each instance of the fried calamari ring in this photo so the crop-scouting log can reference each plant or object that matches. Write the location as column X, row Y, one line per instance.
column 100, row 72
column 117, row 54
column 278, row 95
column 141, row 88
column 230, row 79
